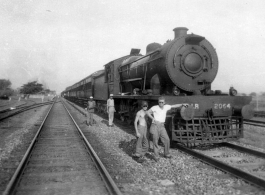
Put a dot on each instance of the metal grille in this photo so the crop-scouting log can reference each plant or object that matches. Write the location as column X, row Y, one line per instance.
column 203, row 130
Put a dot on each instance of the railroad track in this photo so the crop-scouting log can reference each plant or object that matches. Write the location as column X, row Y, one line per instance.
column 256, row 177
column 241, row 162
column 8, row 109
column 26, row 104
column 60, row 161
column 12, row 104
column 259, row 114
column 4, row 114
column 254, row 123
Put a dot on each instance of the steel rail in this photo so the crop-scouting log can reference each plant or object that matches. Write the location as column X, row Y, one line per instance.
column 16, row 176
column 224, row 167
column 243, row 149
column 18, row 107
column 110, row 184
column 254, row 121
column 253, row 124
column 25, row 109
column 259, row 113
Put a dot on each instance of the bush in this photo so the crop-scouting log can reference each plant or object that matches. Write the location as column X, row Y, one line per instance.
column 4, row 94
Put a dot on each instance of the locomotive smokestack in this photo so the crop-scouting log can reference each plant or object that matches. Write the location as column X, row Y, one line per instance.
column 180, row 31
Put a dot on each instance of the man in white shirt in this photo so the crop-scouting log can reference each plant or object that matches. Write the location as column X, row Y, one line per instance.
column 111, row 109
column 157, row 128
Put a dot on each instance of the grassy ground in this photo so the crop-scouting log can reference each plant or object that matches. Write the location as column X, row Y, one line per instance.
column 8, row 102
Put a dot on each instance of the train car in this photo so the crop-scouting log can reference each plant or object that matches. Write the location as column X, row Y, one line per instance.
column 93, row 85
column 182, row 70
column 101, row 92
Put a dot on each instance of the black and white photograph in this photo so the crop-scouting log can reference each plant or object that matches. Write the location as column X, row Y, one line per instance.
column 140, row 97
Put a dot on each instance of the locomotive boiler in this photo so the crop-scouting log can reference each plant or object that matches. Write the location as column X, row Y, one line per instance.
column 182, row 70
column 188, row 64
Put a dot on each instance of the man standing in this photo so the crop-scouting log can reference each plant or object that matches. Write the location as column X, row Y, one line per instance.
column 141, row 131
column 157, row 128
column 111, row 110
column 91, row 104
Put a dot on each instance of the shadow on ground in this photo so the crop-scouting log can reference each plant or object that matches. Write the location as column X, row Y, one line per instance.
column 128, row 146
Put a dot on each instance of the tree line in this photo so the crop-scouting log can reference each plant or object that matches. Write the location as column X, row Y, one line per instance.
column 5, row 88
column 28, row 88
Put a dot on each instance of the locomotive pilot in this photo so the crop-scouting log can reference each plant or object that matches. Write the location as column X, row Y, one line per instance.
column 111, row 110
column 141, row 133
column 158, row 115
column 91, row 104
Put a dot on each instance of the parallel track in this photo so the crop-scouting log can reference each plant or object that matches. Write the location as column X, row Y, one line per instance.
column 60, row 161
column 249, row 178
column 9, row 113
column 259, row 114
column 246, row 176
column 254, row 123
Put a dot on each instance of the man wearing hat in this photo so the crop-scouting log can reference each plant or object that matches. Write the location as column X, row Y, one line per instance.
column 111, row 109
column 91, row 104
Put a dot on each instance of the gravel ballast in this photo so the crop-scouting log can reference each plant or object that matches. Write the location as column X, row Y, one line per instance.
column 16, row 135
column 180, row 175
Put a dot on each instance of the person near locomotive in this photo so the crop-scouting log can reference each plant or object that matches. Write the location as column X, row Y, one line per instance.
column 91, row 104
column 111, row 110
column 141, row 133
column 157, row 129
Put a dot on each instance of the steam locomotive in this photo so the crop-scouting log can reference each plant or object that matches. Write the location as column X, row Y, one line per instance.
column 182, row 70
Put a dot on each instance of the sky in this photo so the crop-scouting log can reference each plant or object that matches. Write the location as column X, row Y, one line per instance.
column 60, row 42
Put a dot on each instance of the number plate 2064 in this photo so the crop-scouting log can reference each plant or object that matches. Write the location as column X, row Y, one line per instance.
column 222, row 106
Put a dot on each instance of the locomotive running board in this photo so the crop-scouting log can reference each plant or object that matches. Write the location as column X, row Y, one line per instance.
column 224, row 167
